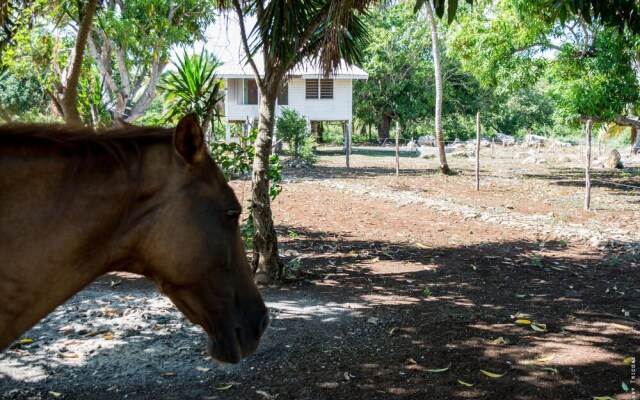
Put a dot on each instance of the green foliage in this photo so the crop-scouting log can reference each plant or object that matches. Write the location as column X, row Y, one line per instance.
column 193, row 87
column 398, row 61
column 233, row 158
column 292, row 127
column 19, row 96
column 597, row 84
column 155, row 114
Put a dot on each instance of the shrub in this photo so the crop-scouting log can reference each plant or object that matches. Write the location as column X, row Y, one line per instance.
column 292, row 127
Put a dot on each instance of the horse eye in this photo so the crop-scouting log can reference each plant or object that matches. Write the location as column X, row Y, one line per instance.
column 233, row 214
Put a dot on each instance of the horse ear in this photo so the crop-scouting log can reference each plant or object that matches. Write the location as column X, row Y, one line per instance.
column 188, row 139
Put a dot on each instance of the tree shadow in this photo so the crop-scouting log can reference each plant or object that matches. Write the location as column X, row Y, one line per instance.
column 362, row 319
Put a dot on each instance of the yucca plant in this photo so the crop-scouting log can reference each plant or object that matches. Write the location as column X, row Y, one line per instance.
column 193, row 87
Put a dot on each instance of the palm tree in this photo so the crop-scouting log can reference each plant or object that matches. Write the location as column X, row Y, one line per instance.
column 444, row 167
column 193, row 87
column 286, row 33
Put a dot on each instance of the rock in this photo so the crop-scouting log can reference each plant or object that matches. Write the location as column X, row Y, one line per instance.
column 425, row 153
column 427, row 140
column 529, row 160
column 506, row 139
column 613, row 160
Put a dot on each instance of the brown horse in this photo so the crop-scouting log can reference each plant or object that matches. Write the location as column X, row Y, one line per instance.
column 75, row 205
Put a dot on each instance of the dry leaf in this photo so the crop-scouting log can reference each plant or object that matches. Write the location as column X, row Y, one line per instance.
column 26, row 341
column 266, row 395
column 55, row 394
column 203, row 369
column 411, row 361
column 544, row 360
column 499, row 340
column 465, row 383
column 619, row 326
column 169, row 374
column 603, row 398
column 108, row 336
column 492, row 374
column 523, row 322
column 440, row 369
column 422, row 246
column 628, row 360
column 223, row 388
column 69, row 355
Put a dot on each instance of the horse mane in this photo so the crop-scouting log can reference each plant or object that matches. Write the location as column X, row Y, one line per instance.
column 88, row 151
column 64, row 137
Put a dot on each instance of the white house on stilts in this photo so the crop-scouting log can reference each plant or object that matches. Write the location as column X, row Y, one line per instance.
column 315, row 97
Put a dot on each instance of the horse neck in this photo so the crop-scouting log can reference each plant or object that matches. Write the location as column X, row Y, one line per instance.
column 56, row 238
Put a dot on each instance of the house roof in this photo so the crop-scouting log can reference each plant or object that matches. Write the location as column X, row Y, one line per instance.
column 304, row 71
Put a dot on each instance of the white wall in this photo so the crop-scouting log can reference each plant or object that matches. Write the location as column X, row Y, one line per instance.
column 337, row 109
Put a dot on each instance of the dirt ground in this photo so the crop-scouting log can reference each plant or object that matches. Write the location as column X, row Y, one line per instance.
column 397, row 288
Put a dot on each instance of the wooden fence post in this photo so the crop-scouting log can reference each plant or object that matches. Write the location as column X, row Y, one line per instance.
column 587, row 196
column 397, row 149
column 478, row 151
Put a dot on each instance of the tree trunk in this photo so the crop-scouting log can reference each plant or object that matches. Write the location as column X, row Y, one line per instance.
column 444, row 167
column 635, row 140
column 384, row 127
column 320, row 132
column 266, row 261
column 69, row 100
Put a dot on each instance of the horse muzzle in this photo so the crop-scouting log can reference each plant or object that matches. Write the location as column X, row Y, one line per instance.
column 239, row 342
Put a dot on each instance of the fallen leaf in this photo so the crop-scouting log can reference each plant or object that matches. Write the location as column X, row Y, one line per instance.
column 523, row 322
column 544, row 360
column 69, row 355
column 55, row 394
column 440, row 369
column 422, row 246
column 411, row 361
column 223, row 388
column 112, row 388
column 108, row 336
column 203, row 369
column 465, row 383
column 266, row 395
column 619, row 326
column 492, row 374
column 346, row 376
column 539, row 327
column 394, row 329
column 625, row 387
column 499, row 340
column 169, row 374
column 549, row 369
column 628, row 360
column 603, row 398
column 26, row 341
column 372, row 320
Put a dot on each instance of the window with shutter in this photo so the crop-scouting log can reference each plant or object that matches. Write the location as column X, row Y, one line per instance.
column 311, row 88
column 326, row 88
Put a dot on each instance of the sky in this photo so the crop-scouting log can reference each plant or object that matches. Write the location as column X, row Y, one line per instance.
column 223, row 39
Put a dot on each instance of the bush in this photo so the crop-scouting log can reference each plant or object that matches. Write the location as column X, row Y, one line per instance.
column 292, row 127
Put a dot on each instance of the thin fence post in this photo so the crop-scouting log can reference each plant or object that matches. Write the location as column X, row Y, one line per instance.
column 478, row 151
column 587, row 196
column 347, row 139
column 397, row 149
column 538, row 149
column 493, row 145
